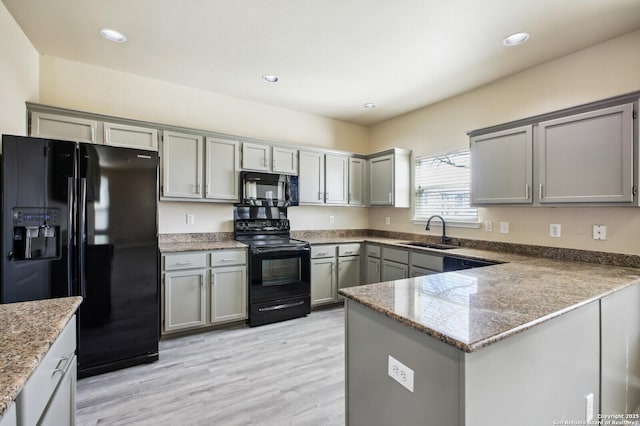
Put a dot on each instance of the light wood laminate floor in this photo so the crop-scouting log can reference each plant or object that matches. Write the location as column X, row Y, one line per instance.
column 288, row 373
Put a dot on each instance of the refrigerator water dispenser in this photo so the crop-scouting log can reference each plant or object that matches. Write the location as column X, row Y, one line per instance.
column 36, row 234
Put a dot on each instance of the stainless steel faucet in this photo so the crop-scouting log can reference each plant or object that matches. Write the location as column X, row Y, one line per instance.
column 445, row 239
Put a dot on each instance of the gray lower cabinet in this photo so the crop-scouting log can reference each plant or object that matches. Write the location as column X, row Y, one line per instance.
column 620, row 351
column 9, row 417
column 373, row 263
column 421, row 264
column 48, row 397
column 395, row 264
column 203, row 288
column 324, row 281
column 333, row 266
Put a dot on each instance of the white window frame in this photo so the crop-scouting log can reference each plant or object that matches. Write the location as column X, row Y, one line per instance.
column 473, row 223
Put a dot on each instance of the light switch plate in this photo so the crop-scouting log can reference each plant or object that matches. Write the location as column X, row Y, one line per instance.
column 599, row 232
column 488, row 225
column 555, row 230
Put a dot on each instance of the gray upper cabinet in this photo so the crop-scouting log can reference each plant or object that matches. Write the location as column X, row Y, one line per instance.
column 587, row 158
column 256, row 156
column 357, row 179
column 116, row 134
column 46, row 125
column 502, row 167
column 265, row 158
column 222, row 169
column 284, row 161
column 182, row 165
column 390, row 178
column 311, row 184
column 336, row 179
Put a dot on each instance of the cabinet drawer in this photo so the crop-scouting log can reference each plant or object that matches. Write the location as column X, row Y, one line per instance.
column 33, row 399
column 396, row 255
column 427, row 261
column 349, row 249
column 373, row 251
column 177, row 261
column 228, row 257
column 323, row 251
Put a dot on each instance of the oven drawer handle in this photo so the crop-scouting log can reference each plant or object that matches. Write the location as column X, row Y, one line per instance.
column 283, row 306
column 280, row 250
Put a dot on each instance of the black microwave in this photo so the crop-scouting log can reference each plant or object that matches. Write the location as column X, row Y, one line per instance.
column 268, row 189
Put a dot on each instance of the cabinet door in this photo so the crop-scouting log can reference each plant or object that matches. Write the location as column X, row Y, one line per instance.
column 285, row 160
column 502, row 167
column 61, row 409
column 587, row 158
column 394, row 271
column 323, row 281
column 228, row 293
column 381, row 180
column 184, row 299
column 130, row 136
column 256, row 156
column 348, row 271
column 373, row 270
column 336, row 179
column 416, row 271
column 181, row 165
column 357, row 167
column 222, row 168
column 311, row 181
column 54, row 126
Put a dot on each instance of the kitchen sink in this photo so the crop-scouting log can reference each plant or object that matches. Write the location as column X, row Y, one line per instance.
column 431, row 246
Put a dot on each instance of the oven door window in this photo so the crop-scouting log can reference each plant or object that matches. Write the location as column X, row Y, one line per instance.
column 276, row 272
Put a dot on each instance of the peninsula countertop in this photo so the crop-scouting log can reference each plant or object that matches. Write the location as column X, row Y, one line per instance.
column 474, row 308
column 28, row 331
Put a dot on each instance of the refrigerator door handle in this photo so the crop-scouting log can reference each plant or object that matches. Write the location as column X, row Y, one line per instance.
column 70, row 232
column 81, row 235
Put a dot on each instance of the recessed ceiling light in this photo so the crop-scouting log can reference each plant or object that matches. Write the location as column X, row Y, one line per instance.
column 515, row 39
column 369, row 105
column 270, row 78
column 113, row 35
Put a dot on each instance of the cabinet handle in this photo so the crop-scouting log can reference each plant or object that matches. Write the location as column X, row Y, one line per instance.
column 540, row 191
column 324, row 253
column 197, row 188
column 348, row 251
column 201, row 280
column 526, row 191
column 228, row 260
column 319, row 195
column 213, row 280
column 184, row 263
column 390, row 198
column 206, row 188
column 64, row 360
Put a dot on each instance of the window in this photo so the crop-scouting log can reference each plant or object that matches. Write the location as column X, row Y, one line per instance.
column 443, row 187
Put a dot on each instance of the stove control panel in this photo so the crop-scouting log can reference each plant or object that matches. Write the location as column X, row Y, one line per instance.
column 261, row 225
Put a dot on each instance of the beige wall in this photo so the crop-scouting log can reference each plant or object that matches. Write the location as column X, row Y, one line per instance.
column 84, row 87
column 18, row 75
column 602, row 71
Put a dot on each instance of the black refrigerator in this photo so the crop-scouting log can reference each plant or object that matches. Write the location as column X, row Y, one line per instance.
column 81, row 219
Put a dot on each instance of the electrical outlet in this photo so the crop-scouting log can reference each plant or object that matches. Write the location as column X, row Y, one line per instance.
column 588, row 407
column 400, row 373
column 190, row 219
column 555, row 230
column 488, row 225
column 599, row 232
column 387, row 220
column 504, row 227
column 332, row 220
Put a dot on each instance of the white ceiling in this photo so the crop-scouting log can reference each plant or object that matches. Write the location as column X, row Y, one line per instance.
column 332, row 56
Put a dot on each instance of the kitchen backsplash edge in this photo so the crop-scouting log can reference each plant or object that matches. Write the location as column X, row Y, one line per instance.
column 603, row 258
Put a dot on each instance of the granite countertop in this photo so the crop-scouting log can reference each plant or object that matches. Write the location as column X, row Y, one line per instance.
column 167, row 247
column 28, row 330
column 474, row 308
